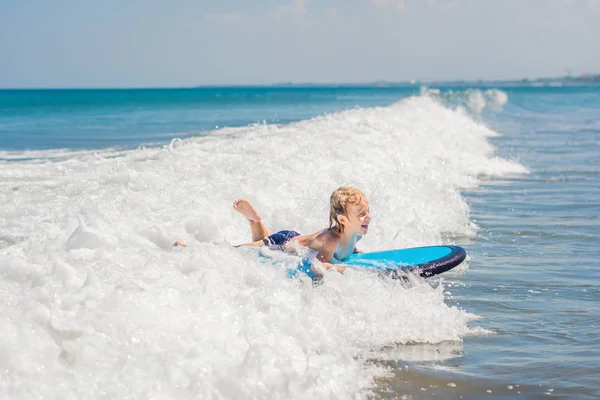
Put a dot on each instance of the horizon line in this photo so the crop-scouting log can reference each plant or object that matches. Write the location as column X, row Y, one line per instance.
column 284, row 84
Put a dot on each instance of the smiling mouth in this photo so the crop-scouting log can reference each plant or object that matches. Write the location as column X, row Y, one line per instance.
column 366, row 226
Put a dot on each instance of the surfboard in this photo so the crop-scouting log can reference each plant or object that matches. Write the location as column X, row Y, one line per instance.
column 426, row 261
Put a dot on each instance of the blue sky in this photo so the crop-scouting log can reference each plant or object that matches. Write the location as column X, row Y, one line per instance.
column 150, row 43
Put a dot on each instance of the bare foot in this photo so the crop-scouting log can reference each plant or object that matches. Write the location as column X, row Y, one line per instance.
column 179, row 243
column 244, row 207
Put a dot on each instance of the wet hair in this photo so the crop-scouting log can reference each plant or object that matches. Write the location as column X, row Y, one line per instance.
column 339, row 201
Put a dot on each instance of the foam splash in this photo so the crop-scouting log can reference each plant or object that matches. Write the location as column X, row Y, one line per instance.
column 93, row 296
column 473, row 100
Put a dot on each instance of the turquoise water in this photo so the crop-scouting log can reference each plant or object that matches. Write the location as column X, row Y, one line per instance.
column 95, row 119
column 536, row 260
column 539, row 246
column 94, row 188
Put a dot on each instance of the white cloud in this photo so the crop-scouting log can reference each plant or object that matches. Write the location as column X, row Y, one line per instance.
column 333, row 12
column 441, row 4
column 297, row 7
column 385, row 3
column 380, row 2
column 594, row 5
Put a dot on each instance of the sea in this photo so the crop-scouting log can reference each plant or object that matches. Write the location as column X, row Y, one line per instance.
column 96, row 186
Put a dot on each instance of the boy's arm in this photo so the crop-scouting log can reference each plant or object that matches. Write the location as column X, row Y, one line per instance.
column 325, row 254
column 328, row 266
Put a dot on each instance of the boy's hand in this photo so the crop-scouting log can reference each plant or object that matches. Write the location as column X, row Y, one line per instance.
column 327, row 266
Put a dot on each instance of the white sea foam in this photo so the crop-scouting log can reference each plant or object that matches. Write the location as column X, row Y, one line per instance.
column 96, row 305
column 473, row 100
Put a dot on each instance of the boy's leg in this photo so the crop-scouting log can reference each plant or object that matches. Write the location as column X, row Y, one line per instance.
column 259, row 230
column 258, row 243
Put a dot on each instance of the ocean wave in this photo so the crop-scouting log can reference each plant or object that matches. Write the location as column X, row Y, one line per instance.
column 473, row 100
column 93, row 296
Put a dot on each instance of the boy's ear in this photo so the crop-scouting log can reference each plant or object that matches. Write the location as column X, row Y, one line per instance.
column 342, row 219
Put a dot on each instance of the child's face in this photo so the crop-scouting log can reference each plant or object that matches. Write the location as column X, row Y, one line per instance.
column 358, row 218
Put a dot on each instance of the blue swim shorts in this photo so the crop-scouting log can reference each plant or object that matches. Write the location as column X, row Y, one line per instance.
column 278, row 240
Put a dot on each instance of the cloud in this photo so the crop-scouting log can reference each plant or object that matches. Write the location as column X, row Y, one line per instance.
column 594, row 5
column 333, row 12
column 297, row 7
column 433, row 4
column 392, row 3
column 441, row 4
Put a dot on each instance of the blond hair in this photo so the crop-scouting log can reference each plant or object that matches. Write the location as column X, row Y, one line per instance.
column 339, row 201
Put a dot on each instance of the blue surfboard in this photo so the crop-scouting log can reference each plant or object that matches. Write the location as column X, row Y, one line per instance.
column 425, row 261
